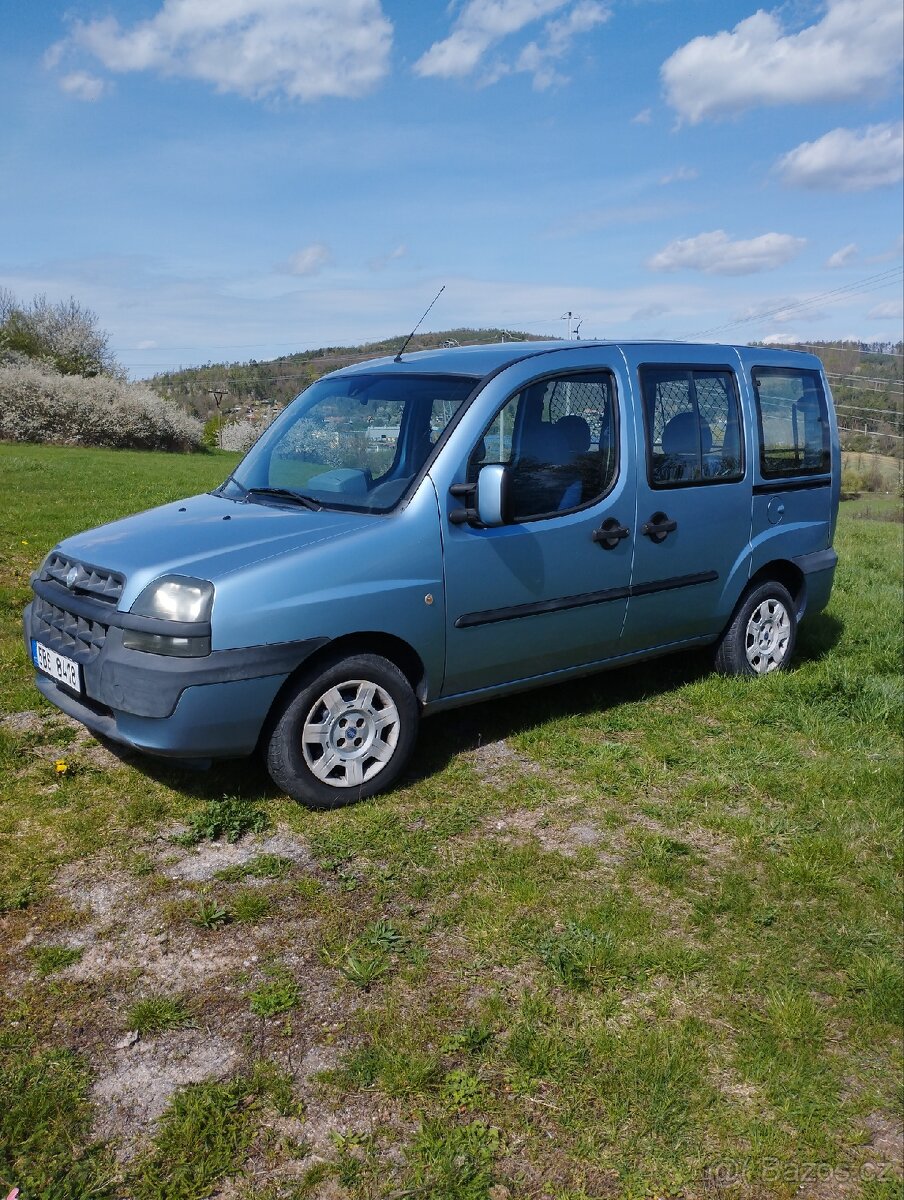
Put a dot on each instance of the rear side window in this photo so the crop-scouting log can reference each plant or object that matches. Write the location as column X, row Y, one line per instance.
column 559, row 437
column 693, row 426
column 794, row 423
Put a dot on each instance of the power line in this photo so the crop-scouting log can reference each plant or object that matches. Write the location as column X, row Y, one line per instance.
column 868, row 283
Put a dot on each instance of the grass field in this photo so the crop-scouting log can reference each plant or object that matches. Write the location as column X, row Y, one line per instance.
column 637, row 936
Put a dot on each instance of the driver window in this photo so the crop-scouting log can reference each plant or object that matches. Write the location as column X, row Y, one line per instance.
column 559, row 438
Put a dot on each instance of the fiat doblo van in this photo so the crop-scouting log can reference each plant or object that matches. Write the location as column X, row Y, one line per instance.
column 416, row 533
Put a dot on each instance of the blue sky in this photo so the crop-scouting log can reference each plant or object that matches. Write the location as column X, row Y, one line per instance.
column 228, row 179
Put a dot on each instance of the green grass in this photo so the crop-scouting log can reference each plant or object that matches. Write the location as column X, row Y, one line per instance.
column 45, row 1117
column 277, row 994
column 673, row 943
column 204, row 1135
column 157, row 1014
column 227, row 818
column 50, row 959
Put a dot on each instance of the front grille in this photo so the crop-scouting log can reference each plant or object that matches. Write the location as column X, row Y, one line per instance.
column 76, row 637
column 82, row 579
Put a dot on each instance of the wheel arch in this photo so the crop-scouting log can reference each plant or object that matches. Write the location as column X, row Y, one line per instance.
column 789, row 575
column 387, row 645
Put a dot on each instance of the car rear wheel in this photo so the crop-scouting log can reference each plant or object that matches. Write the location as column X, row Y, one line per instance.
column 761, row 635
column 345, row 732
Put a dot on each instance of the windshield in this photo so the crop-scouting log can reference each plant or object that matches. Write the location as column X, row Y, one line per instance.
column 353, row 441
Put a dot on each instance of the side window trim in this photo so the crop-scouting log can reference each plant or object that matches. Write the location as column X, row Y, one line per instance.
column 822, row 468
column 690, row 369
column 565, row 373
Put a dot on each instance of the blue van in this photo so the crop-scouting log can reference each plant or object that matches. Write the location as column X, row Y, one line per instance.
column 419, row 532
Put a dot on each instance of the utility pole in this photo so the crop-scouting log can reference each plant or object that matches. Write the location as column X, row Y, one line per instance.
column 218, row 393
column 569, row 317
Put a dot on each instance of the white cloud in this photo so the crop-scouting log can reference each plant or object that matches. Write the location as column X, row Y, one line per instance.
column 483, row 23
column 301, row 49
column 647, row 311
column 849, row 54
column 716, row 254
column 888, row 310
column 83, row 86
column 382, row 261
column 781, row 339
column 843, row 257
column 895, row 251
column 538, row 57
column 847, row 160
column 53, row 55
column 309, row 261
column 679, row 175
column 644, row 117
column 479, row 25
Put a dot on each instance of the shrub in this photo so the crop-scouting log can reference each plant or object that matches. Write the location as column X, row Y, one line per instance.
column 40, row 405
column 64, row 337
column 851, row 482
column 240, row 435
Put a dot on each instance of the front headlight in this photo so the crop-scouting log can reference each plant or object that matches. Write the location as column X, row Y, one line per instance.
column 177, row 598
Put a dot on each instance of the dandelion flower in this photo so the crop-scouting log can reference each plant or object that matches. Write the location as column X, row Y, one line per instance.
column 61, row 766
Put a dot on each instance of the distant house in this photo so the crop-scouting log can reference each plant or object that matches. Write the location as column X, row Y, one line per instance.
column 383, row 433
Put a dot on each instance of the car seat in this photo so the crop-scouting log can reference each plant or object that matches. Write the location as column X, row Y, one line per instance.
column 577, row 437
column 686, row 440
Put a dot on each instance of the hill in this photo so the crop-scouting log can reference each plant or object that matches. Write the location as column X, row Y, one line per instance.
column 866, row 381
column 255, row 384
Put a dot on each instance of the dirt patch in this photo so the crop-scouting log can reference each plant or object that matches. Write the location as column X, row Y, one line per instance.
column 23, row 722
column 737, row 1090
column 136, row 1083
column 203, row 862
column 49, row 726
column 886, row 1145
column 524, row 824
column 137, row 942
column 498, row 764
column 93, row 886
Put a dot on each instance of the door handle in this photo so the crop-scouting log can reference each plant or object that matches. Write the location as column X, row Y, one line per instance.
column 659, row 526
column 610, row 533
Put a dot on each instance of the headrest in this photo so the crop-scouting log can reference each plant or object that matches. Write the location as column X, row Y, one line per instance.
column 576, row 433
column 680, row 435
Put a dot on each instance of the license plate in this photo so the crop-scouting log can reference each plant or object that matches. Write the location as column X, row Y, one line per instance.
column 57, row 666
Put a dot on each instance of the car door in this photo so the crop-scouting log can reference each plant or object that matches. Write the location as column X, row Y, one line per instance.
column 795, row 493
column 692, row 549
column 548, row 591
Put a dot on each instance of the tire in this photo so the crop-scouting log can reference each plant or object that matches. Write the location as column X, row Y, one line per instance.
column 761, row 635
column 345, row 732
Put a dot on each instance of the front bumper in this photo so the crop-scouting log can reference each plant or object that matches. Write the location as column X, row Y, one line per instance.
column 210, row 707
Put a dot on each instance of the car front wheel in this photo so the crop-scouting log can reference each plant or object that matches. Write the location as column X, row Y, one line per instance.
column 344, row 733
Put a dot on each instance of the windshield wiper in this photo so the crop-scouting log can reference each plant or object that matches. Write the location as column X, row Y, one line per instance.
column 230, row 479
column 285, row 494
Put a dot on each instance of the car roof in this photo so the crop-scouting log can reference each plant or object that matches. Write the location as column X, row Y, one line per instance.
column 479, row 361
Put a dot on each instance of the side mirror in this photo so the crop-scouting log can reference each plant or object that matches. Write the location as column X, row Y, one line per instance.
column 493, row 502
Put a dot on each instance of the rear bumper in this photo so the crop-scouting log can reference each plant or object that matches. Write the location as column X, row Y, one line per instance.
column 210, row 707
column 819, row 574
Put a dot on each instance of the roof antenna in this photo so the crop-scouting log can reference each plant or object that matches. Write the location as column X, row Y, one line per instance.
column 398, row 357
